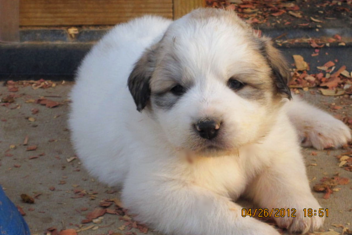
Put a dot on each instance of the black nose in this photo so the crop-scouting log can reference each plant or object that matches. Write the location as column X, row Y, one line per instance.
column 207, row 129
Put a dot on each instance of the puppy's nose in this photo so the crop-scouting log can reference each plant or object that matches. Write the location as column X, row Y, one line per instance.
column 207, row 129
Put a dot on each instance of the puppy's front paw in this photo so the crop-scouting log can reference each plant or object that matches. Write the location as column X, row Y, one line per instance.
column 304, row 217
column 258, row 227
column 324, row 133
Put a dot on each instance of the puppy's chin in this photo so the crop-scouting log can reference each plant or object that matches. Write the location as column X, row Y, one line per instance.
column 214, row 151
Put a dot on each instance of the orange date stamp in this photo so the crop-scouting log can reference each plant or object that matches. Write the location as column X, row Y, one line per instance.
column 284, row 212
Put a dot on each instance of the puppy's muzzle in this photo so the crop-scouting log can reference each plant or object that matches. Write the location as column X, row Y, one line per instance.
column 207, row 129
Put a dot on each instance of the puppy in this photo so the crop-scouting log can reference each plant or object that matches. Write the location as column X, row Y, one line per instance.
column 215, row 120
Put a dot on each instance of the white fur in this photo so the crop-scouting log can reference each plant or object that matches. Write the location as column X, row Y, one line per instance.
column 151, row 154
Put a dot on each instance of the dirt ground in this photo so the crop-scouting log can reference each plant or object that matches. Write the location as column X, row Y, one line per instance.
column 37, row 159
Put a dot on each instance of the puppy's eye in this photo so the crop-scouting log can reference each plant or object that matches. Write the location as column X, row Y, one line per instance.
column 235, row 84
column 178, row 90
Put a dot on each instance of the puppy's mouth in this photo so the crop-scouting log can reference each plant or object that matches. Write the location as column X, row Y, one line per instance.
column 212, row 148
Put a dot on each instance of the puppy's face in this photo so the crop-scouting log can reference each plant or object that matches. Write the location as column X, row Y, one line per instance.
column 211, row 83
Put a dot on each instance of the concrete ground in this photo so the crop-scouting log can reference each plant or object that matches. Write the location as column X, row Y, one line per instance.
column 65, row 194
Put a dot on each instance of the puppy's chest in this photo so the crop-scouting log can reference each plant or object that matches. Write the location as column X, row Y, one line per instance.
column 222, row 175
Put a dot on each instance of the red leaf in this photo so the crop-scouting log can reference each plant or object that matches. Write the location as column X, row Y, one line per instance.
column 328, row 193
column 12, row 88
column 48, row 103
column 32, row 148
column 21, row 211
column 343, row 181
column 68, row 232
column 97, row 212
column 333, row 82
column 337, row 37
column 329, row 64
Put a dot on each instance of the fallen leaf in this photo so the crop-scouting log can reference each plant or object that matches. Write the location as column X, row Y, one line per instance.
column 336, row 92
column 12, row 88
column 279, row 13
column 343, row 181
column 97, row 212
column 8, row 99
column 21, row 211
column 316, row 20
column 337, row 37
column 315, row 45
column 301, row 65
column 336, row 107
column 68, row 232
column 117, row 202
column 35, row 111
column 295, row 14
column 25, row 142
column 329, row 64
column 105, row 204
column 333, row 82
column 85, row 228
column 32, row 148
column 71, row 159
column 338, row 72
column 27, row 199
column 31, row 119
column 48, row 103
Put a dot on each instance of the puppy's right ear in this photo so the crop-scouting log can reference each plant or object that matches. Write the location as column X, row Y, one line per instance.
column 139, row 79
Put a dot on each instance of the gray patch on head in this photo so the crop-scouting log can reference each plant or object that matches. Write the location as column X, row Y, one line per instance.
column 278, row 65
column 138, row 81
column 165, row 101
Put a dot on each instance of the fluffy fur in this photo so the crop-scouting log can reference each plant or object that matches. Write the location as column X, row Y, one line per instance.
column 179, row 74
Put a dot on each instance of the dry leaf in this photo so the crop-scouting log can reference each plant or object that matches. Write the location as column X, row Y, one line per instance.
column 8, row 99
column 105, row 204
column 73, row 32
column 336, row 92
column 12, row 88
column 301, row 65
column 295, row 14
column 117, row 202
column 329, row 64
column 25, row 142
column 316, row 20
column 27, row 199
column 346, row 74
column 48, row 103
column 342, row 163
column 32, row 148
column 85, row 228
column 68, row 232
column 344, row 158
column 97, row 212
column 21, row 211
column 71, row 159
column 35, row 111
column 333, row 82
column 31, row 119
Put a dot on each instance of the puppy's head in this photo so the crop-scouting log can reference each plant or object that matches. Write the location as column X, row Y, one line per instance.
column 211, row 83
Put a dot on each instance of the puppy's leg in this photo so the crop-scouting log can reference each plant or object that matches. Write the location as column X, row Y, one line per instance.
column 284, row 184
column 175, row 207
column 315, row 127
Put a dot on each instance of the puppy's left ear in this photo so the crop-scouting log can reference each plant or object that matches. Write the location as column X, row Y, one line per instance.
column 139, row 79
column 278, row 64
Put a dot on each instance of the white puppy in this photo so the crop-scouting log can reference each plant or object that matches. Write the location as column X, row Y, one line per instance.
column 213, row 124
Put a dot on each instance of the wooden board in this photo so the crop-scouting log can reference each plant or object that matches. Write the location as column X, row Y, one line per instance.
column 9, row 20
column 182, row 7
column 89, row 12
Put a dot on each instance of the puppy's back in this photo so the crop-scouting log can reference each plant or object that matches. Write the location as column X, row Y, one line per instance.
column 101, row 103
